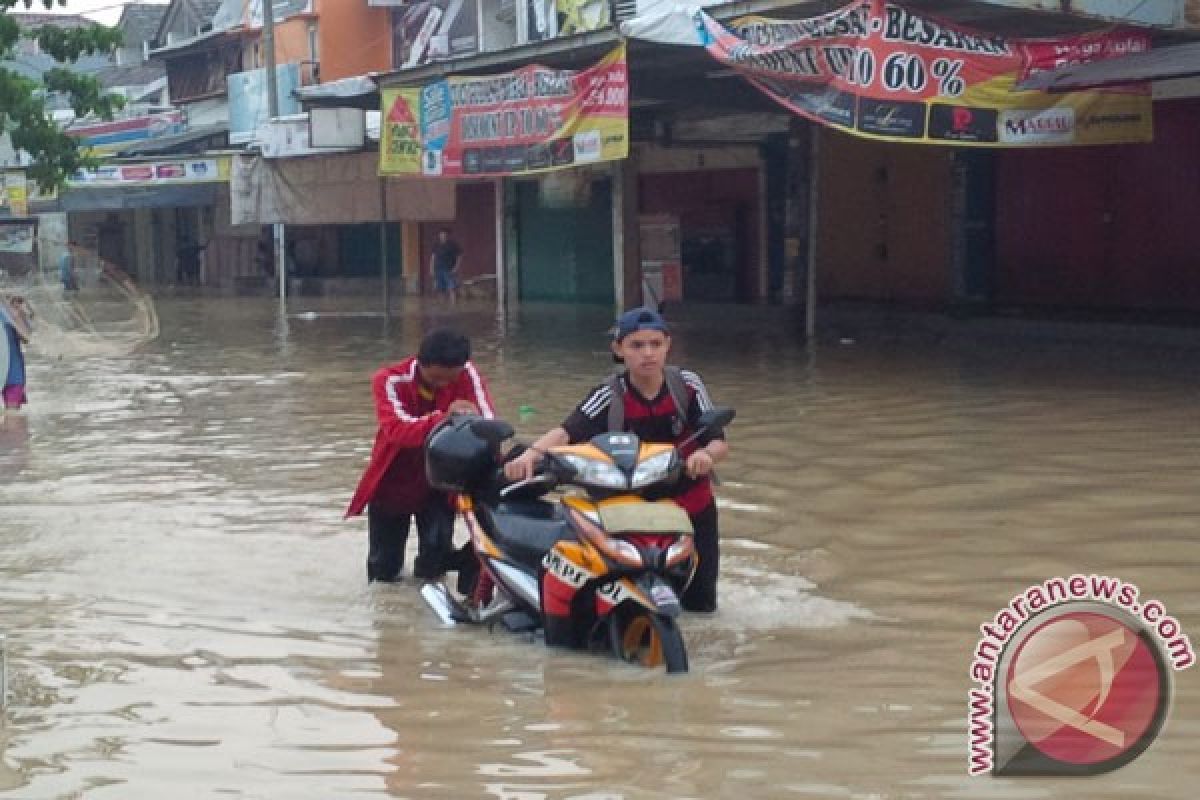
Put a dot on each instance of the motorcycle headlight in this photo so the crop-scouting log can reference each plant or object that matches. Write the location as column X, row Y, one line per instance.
column 596, row 473
column 652, row 469
column 614, row 547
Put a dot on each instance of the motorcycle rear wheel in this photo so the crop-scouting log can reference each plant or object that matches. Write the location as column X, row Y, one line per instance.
column 648, row 640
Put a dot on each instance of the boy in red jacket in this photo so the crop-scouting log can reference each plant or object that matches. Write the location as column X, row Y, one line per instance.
column 411, row 398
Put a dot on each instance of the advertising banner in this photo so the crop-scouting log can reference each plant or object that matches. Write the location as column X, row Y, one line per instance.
column 400, row 132
column 14, row 194
column 882, row 71
column 580, row 16
column 432, row 30
column 154, row 173
column 107, row 137
column 532, row 120
column 17, row 236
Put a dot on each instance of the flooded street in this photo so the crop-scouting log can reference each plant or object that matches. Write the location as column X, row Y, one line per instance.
column 187, row 613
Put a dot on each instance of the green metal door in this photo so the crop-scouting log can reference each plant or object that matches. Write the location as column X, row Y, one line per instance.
column 565, row 254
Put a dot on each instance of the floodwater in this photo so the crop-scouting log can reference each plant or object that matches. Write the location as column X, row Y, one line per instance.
column 187, row 613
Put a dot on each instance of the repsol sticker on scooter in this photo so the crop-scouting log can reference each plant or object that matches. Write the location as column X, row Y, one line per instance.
column 615, row 592
column 570, row 574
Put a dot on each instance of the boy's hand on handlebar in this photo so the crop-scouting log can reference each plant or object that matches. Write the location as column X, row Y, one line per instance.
column 699, row 464
column 463, row 407
column 522, row 467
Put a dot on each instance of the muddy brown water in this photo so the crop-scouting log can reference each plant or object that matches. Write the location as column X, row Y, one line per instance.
column 187, row 615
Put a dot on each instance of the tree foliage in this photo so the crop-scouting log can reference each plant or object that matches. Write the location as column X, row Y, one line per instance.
column 22, row 101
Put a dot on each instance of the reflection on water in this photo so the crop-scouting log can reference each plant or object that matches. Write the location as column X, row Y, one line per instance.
column 187, row 616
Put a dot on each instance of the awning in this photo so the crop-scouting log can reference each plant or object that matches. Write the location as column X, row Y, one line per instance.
column 117, row 198
column 359, row 91
column 1164, row 63
column 198, row 139
column 335, row 189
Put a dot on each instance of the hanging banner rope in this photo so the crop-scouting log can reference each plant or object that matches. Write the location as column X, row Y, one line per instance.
column 880, row 70
column 533, row 120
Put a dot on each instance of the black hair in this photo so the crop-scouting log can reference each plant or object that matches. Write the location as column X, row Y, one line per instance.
column 444, row 348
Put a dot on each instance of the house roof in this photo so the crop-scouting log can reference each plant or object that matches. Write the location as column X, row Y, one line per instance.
column 131, row 74
column 200, row 9
column 139, row 22
column 34, row 20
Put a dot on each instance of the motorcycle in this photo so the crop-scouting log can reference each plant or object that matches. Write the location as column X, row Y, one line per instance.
column 600, row 567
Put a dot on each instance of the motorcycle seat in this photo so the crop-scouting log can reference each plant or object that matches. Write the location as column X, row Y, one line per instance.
column 526, row 530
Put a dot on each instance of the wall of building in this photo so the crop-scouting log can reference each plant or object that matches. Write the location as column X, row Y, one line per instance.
column 1104, row 227
column 719, row 219
column 354, row 39
column 883, row 230
column 474, row 228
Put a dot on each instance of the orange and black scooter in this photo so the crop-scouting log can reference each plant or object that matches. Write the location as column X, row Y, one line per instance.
column 597, row 566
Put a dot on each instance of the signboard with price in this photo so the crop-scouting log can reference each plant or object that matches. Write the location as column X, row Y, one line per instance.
column 880, row 70
column 533, row 120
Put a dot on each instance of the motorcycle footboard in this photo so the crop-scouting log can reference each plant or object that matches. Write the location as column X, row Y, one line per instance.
column 447, row 607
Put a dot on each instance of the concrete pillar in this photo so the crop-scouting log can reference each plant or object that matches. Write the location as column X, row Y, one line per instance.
column 501, row 269
column 627, row 263
column 142, row 266
column 410, row 237
column 512, row 246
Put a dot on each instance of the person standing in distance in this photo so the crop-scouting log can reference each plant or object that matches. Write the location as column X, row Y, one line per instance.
column 443, row 265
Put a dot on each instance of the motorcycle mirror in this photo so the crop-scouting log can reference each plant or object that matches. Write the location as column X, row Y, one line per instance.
column 711, row 421
column 492, row 431
column 716, row 418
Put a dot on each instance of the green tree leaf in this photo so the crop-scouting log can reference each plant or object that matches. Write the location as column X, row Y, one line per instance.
column 23, row 113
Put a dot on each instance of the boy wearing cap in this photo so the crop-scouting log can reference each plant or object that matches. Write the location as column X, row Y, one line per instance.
column 411, row 398
column 642, row 400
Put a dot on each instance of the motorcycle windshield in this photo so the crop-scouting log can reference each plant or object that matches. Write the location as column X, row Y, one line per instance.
column 641, row 517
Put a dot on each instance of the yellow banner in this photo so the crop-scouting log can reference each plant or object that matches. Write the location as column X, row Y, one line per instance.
column 532, row 120
column 880, row 70
column 400, row 132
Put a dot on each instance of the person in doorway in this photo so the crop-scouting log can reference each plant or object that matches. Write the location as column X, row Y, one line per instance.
column 66, row 270
column 264, row 255
column 411, row 398
column 188, row 258
column 659, row 403
column 15, row 319
column 443, row 265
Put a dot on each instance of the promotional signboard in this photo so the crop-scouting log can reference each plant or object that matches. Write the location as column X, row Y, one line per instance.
column 167, row 171
column 113, row 135
column 883, row 71
column 430, row 30
column 532, row 120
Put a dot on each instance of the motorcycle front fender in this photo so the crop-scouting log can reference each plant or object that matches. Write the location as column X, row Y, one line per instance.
column 649, row 591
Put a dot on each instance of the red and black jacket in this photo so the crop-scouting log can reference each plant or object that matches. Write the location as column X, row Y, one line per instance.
column 407, row 411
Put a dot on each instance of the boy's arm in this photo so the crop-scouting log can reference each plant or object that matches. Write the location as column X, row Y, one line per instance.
column 479, row 391
column 522, row 467
column 712, row 445
column 397, row 422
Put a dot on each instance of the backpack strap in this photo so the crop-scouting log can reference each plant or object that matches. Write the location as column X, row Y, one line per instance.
column 678, row 391
column 616, row 404
column 676, row 387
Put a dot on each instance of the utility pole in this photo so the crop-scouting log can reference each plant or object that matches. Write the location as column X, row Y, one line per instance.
column 277, row 229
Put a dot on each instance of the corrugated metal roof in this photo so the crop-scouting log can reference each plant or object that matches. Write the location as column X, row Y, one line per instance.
column 1162, row 63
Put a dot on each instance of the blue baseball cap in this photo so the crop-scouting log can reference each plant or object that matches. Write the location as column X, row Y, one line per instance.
column 639, row 319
